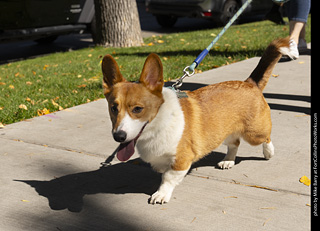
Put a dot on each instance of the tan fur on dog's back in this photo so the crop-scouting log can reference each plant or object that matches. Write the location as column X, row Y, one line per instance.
column 214, row 112
column 208, row 125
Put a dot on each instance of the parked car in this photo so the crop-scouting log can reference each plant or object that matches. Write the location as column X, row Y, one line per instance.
column 220, row 11
column 44, row 20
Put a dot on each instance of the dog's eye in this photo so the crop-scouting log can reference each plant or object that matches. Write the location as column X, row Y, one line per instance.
column 114, row 108
column 137, row 110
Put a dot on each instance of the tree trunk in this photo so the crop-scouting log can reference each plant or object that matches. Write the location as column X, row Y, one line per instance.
column 117, row 23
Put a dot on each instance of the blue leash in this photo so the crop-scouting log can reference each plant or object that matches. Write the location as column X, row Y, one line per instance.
column 204, row 53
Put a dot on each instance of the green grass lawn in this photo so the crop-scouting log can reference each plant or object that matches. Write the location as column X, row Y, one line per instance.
column 46, row 84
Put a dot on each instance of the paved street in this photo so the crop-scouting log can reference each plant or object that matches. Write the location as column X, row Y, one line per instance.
column 10, row 52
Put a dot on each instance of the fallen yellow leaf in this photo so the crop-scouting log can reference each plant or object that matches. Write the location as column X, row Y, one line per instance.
column 82, row 86
column 57, row 105
column 1, row 125
column 22, row 106
column 30, row 100
column 54, row 103
column 11, row 86
column 44, row 111
column 2, row 83
column 160, row 41
column 28, row 83
column 94, row 78
column 274, row 75
column 305, row 180
column 150, row 44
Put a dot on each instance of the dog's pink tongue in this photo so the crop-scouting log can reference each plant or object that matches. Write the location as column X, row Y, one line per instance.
column 125, row 151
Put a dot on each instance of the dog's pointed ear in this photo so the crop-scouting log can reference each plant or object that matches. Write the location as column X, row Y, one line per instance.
column 152, row 74
column 111, row 73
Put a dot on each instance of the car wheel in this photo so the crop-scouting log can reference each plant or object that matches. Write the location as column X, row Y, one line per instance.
column 230, row 8
column 166, row 21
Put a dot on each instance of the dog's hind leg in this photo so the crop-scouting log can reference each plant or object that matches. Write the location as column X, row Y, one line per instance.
column 233, row 143
column 261, row 137
column 268, row 149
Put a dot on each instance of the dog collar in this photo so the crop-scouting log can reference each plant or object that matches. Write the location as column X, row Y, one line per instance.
column 180, row 94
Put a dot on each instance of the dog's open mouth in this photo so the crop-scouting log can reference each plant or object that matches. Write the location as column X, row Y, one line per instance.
column 126, row 150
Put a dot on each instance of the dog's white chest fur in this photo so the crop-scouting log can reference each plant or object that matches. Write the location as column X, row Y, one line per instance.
column 158, row 143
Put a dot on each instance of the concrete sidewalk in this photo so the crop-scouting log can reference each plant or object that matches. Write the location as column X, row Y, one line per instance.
column 51, row 177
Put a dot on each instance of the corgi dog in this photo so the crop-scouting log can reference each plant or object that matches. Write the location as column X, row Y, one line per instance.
column 171, row 133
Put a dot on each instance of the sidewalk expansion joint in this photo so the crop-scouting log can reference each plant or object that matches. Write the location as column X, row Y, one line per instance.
column 231, row 181
column 54, row 147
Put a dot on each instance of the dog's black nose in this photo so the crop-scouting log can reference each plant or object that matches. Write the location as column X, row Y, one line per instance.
column 120, row 136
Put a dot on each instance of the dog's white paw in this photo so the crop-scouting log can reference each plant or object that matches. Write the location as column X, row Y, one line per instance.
column 160, row 197
column 226, row 164
column 268, row 150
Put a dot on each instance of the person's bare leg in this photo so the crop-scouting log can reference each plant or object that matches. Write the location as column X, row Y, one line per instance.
column 303, row 32
column 295, row 30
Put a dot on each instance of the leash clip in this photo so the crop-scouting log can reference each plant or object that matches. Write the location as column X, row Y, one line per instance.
column 108, row 161
column 179, row 82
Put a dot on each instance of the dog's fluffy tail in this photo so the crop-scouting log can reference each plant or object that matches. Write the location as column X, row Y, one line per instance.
column 269, row 59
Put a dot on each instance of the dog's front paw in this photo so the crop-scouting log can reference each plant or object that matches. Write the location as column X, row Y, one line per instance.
column 160, row 197
column 226, row 164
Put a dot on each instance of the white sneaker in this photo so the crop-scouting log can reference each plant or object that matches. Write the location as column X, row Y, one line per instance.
column 293, row 50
